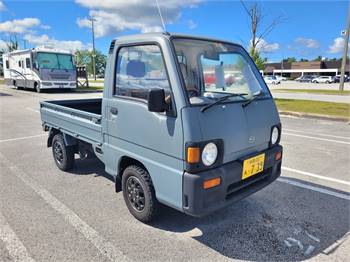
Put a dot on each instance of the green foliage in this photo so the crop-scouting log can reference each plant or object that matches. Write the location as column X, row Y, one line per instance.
column 84, row 58
column 258, row 60
column 290, row 60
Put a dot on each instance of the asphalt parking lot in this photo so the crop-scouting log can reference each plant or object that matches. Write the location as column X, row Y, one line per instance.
column 49, row 215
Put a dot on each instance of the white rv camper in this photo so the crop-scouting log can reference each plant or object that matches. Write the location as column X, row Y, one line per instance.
column 40, row 68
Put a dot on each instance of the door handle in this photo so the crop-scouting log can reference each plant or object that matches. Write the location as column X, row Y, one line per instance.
column 114, row 111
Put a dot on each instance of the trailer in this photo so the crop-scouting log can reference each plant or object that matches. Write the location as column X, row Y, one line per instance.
column 40, row 68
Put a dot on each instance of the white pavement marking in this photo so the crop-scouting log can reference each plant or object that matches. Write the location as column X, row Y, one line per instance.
column 317, row 138
column 20, row 138
column 320, row 134
column 316, row 176
column 313, row 188
column 33, row 110
column 105, row 247
column 14, row 246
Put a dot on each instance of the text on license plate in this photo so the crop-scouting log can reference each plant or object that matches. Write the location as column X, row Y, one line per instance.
column 253, row 165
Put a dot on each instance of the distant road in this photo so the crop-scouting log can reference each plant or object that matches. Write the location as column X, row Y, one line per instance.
column 309, row 96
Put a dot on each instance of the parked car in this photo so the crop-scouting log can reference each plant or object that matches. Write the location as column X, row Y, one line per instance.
column 272, row 80
column 336, row 79
column 281, row 78
column 163, row 135
column 323, row 79
column 306, row 78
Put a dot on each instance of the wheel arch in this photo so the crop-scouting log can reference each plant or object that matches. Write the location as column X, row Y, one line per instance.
column 123, row 163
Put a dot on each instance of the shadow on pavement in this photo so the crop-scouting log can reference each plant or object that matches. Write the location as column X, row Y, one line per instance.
column 282, row 222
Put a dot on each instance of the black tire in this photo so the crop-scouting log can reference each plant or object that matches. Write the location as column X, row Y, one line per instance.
column 140, row 199
column 327, row 82
column 62, row 154
column 36, row 87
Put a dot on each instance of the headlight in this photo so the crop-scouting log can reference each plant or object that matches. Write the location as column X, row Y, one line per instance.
column 274, row 135
column 209, row 154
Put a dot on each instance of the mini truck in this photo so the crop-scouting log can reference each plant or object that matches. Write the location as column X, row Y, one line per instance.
column 167, row 136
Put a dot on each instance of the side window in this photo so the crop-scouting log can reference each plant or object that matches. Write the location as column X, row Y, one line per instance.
column 19, row 63
column 27, row 63
column 139, row 69
column 7, row 64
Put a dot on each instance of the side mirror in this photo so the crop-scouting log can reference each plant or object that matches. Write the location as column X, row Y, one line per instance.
column 156, row 100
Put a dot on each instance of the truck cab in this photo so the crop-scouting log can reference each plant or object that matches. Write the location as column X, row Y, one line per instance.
column 168, row 136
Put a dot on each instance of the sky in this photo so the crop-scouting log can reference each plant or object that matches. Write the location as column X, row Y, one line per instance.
column 309, row 28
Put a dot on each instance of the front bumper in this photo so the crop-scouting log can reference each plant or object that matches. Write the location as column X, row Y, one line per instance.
column 198, row 201
column 58, row 84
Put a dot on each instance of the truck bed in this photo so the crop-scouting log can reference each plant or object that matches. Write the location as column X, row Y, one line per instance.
column 78, row 118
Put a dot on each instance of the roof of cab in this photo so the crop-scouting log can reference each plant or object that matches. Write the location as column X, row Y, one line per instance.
column 167, row 35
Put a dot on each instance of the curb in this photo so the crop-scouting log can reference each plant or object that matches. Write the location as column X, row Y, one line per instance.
column 87, row 91
column 315, row 116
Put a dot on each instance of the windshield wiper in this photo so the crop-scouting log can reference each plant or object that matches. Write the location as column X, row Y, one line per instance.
column 255, row 96
column 221, row 99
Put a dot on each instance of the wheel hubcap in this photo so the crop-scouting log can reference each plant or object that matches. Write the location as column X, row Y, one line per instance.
column 135, row 193
column 57, row 148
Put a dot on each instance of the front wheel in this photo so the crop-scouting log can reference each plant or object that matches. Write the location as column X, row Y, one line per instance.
column 62, row 154
column 139, row 194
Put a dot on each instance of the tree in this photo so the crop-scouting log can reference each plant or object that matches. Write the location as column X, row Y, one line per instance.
column 319, row 58
column 303, row 60
column 84, row 58
column 12, row 45
column 256, row 18
column 290, row 60
column 258, row 60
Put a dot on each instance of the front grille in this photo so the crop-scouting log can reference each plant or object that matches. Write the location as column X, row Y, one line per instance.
column 59, row 76
column 235, row 188
column 61, row 84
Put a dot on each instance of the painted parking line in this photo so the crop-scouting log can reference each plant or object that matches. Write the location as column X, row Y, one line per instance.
column 343, row 182
column 14, row 246
column 316, row 138
column 33, row 110
column 319, row 134
column 103, row 245
column 21, row 138
column 313, row 188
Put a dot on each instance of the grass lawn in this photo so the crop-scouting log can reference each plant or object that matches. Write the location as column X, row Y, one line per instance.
column 90, row 88
column 314, row 107
column 315, row 91
column 96, row 81
column 2, row 81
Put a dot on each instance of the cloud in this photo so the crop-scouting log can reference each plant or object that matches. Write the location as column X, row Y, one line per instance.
column 19, row 26
column 2, row 6
column 71, row 45
column 337, row 46
column 114, row 16
column 307, row 42
column 191, row 24
column 46, row 27
column 265, row 47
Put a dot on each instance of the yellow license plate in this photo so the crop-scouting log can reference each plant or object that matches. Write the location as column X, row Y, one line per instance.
column 253, row 166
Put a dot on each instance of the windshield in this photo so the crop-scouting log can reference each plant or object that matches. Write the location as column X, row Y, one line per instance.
column 54, row 61
column 212, row 69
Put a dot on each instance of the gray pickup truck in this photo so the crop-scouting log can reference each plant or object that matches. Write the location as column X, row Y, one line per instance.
column 184, row 121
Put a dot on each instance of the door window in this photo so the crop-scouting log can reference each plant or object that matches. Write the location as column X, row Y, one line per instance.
column 27, row 63
column 139, row 69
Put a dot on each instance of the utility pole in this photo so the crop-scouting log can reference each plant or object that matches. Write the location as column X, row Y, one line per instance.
column 345, row 53
column 93, row 46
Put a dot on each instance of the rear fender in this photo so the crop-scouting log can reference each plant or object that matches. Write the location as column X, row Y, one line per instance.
column 68, row 139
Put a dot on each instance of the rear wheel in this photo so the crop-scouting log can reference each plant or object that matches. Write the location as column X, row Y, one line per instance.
column 62, row 154
column 327, row 82
column 37, row 87
column 139, row 194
